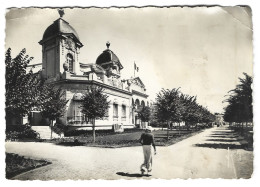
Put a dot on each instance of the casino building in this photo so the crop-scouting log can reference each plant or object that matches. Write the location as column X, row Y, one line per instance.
column 61, row 47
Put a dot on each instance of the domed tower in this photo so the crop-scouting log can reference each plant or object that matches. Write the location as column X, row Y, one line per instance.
column 109, row 62
column 60, row 48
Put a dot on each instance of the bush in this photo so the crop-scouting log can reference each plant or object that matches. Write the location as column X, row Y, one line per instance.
column 132, row 130
column 59, row 128
column 158, row 124
column 98, row 132
column 14, row 132
column 16, row 164
column 88, row 132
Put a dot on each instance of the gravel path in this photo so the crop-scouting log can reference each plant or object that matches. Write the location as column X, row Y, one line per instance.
column 181, row 160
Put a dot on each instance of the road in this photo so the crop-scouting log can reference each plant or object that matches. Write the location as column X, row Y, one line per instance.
column 196, row 157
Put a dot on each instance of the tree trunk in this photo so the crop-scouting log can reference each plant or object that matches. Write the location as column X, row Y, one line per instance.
column 242, row 128
column 179, row 128
column 246, row 130
column 94, row 133
column 51, row 128
column 167, row 130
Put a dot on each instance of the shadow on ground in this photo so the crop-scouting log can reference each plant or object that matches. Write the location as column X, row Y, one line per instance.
column 132, row 174
column 70, row 143
column 221, row 146
column 222, row 136
column 222, row 133
column 221, row 140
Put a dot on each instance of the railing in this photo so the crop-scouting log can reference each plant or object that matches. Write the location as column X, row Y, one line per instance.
column 80, row 120
column 115, row 118
column 76, row 120
column 115, row 83
column 104, row 118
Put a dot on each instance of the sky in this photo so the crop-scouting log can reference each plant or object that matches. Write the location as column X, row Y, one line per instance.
column 201, row 50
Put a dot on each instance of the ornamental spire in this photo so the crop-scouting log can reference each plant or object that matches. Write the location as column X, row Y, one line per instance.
column 61, row 12
column 108, row 44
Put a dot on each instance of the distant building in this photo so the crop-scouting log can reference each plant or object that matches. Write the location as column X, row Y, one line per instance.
column 219, row 119
column 61, row 48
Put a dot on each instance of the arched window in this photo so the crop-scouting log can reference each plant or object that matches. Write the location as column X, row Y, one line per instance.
column 142, row 103
column 70, row 62
column 137, row 102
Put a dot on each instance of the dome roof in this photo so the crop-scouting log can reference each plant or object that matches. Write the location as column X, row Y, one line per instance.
column 108, row 56
column 59, row 26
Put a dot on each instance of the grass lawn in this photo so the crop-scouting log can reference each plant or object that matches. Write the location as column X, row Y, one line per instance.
column 16, row 164
column 125, row 139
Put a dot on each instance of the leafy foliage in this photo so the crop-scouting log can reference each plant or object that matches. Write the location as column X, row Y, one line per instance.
column 239, row 108
column 52, row 102
column 174, row 106
column 14, row 132
column 191, row 106
column 144, row 114
column 169, row 106
column 59, row 128
column 95, row 103
column 26, row 91
column 22, row 88
column 16, row 164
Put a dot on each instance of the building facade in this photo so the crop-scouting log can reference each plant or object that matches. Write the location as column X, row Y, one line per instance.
column 61, row 48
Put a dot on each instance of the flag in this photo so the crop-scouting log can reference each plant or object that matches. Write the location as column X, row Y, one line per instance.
column 136, row 68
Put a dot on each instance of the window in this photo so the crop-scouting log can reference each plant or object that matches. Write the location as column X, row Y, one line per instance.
column 115, row 112
column 70, row 62
column 123, row 113
column 78, row 115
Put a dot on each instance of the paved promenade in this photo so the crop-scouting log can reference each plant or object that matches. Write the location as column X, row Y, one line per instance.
column 196, row 157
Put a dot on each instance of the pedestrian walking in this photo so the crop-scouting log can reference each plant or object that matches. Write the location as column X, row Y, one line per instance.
column 147, row 141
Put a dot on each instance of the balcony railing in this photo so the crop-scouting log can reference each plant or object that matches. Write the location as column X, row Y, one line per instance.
column 77, row 120
column 115, row 83
column 104, row 118
column 81, row 120
column 115, row 118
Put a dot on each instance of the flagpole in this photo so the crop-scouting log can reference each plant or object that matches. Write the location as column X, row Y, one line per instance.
column 134, row 69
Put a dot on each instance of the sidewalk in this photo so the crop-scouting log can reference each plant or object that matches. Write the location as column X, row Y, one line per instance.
column 181, row 160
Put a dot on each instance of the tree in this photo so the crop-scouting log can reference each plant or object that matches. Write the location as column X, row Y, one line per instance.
column 22, row 88
column 94, row 105
column 144, row 114
column 174, row 106
column 190, row 106
column 239, row 108
column 52, row 104
column 169, row 107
